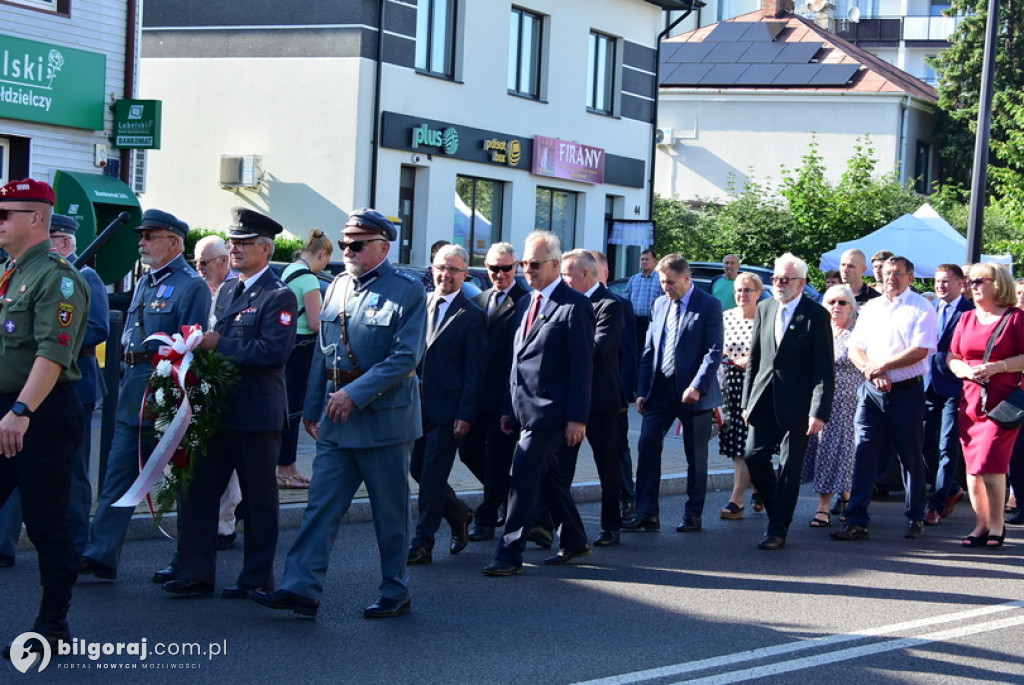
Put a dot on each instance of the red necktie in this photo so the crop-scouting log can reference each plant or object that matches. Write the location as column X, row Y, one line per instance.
column 5, row 280
column 533, row 312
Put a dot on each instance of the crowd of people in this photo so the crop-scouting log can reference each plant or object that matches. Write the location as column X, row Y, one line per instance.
column 390, row 379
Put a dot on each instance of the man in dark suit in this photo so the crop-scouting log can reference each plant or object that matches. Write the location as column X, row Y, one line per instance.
column 942, row 452
column 256, row 329
column 487, row 450
column 451, row 382
column 579, row 271
column 549, row 396
column 787, row 391
column 678, row 378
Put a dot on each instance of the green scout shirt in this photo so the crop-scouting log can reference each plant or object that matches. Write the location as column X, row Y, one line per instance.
column 44, row 314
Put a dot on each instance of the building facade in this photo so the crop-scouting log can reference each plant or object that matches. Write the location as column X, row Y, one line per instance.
column 469, row 121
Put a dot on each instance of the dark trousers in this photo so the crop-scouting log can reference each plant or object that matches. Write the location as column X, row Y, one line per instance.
column 254, row 456
column 487, row 452
column 888, row 418
column 942, row 451
column 626, row 485
column 778, row 492
column 432, row 458
column 42, row 473
column 532, row 466
column 296, row 377
column 661, row 409
column 1017, row 469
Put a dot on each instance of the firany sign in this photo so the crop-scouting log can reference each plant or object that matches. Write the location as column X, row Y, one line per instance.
column 51, row 84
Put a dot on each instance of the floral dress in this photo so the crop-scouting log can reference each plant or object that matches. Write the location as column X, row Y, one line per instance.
column 738, row 330
column 828, row 461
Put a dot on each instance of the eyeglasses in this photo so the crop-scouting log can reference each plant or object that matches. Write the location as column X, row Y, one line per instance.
column 204, row 262
column 894, row 274
column 534, row 265
column 448, row 269
column 783, row 280
column 241, row 245
column 145, row 235
column 504, row 268
column 978, row 282
column 59, row 236
column 842, row 303
column 357, row 245
column 6, row 213
column 746, row 291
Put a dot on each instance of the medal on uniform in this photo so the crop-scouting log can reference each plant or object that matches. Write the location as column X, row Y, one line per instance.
column 65, row 313
column 10, row 326
column 67, row 287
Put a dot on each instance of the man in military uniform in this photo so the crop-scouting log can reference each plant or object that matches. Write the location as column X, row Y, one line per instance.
column 43, row 304
column 170, row 296
column 90, row 388
column 256, row 328
column 363, row 407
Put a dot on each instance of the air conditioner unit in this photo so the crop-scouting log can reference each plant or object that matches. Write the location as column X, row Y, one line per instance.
column 665, row 136
column 240, row 171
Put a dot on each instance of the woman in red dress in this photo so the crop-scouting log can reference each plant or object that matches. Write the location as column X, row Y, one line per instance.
column 987, row 445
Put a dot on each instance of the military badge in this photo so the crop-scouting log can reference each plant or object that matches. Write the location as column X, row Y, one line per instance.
column 10, row 326
column 23, row 289
column 67, row 287
column 66, row 313
column 64, row 339
column 285, row 318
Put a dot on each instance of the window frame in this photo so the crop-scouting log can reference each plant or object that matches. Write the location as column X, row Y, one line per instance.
column 594, row 72
column 58, row 7
column 567, row 240
column 518, row 19
column 427, row 45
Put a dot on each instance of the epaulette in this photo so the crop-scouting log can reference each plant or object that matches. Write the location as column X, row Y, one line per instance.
column 64, row 264
column 406, row 275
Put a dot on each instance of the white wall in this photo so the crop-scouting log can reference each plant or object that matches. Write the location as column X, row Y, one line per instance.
column 755, row 135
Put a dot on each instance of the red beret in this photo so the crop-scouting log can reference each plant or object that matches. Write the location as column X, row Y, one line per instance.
column 28, row 190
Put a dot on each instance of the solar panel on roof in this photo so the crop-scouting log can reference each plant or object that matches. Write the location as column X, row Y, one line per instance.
column 723, row 74
column 798, row 53
column 726, row 53
column 796, row 75
column 762, row 53
column 756, row 31
column 834, row 74
column 685, row 75
column 689, row 53
column 759, row 75
column 727, row 31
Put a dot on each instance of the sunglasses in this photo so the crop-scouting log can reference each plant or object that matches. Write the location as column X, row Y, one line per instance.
column 534, row 265
column 143, row 235
column 358, row 245
column 782, row 280
column 6, row 213
column 504, row 268
column 204, row 262
column 842, row 303
column 978, row 282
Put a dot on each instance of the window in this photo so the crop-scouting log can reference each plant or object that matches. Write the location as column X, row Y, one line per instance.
column 57, row 6
column 556, row 212
column 922, row 168
column 477, row 215
column 435, row 37
column 524, row 53
column 601, row 74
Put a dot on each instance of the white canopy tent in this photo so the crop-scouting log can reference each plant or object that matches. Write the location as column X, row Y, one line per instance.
column 924, row 237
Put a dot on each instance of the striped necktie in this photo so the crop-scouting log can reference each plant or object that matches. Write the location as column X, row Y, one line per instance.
column 668, row 359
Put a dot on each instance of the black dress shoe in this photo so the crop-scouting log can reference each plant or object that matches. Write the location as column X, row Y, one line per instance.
column 564, row 556
column 640, row 523
column 607, row 538
column 1015, row 519
column 690, row 524
column 460, row 534
column 770, row 541
column 241, row 591
column 628, row 511
column 851, row 532
column 167, row 574
column 418, row 556
column 91, row 567
column 6, row 561
column 915, row 530
column 480, row 533
column 282, row 599
column 225, row 542
column 187, row 588
column 385, row 607
column 501, row 568
column 541, row 536
column 502, row 510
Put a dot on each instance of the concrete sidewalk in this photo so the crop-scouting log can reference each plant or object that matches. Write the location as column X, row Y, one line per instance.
column 586, row 487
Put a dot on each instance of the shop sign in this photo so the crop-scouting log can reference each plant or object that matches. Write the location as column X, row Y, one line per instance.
column 508, row 152
column 565, row 159
column 51, row 84
column 137, row 124
column 447, row 139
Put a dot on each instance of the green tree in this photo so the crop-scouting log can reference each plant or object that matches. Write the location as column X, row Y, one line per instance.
column 959, row 71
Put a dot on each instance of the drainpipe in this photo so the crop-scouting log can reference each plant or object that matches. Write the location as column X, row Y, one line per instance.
column 901, row 152
column 375, row 141
column 130, row 57
column 654, row 110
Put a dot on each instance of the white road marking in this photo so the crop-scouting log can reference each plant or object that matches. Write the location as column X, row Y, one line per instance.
column 763, row 653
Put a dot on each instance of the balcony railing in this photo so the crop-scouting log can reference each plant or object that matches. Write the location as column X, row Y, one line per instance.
column 894, row 29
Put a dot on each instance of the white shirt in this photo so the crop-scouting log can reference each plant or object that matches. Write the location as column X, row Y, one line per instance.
column 887, row 327
column 783, row 316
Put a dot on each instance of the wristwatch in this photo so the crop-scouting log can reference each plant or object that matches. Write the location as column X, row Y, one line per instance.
column 21, row 409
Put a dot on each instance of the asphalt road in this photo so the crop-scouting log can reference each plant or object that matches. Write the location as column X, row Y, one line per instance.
column 661, row 608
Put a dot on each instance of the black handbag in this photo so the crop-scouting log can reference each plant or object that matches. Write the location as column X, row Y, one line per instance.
column 1010, row 412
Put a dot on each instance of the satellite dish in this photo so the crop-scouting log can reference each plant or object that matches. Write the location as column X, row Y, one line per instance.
column 854, row 14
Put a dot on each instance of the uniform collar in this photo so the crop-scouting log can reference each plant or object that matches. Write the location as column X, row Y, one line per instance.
column 158, row 275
